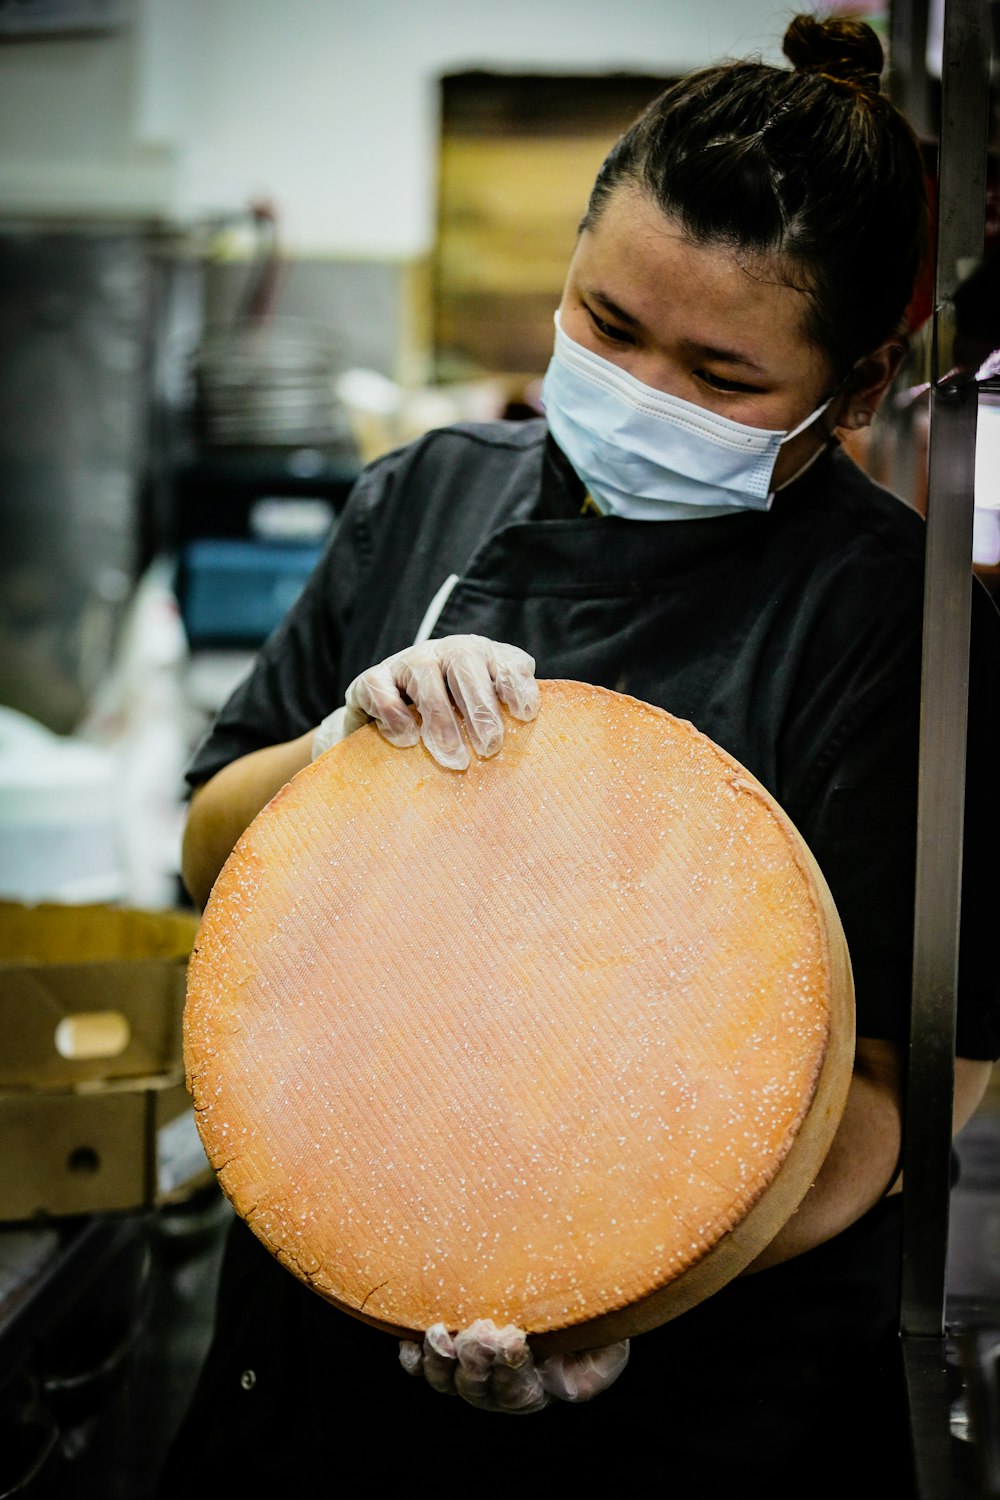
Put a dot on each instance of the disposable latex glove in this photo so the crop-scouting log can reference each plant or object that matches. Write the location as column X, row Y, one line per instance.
column 493, row 1368
column 460, row 676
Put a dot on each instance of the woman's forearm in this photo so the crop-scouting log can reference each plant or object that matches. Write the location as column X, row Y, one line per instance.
column 862, row 1161
column 225, row 806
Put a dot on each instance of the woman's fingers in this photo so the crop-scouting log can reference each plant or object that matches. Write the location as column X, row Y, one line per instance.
column 488, row 1367
column 471, row 686
column 475, row 1348
column 517, row 1386
column 513, row 672
column 493, row 1368
column 422, row 679
column 375, row 695
column 440, row 1362
column 581, row 1376
column 428, row 692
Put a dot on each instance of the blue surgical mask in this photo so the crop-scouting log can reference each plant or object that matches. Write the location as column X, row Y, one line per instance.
column 648, row 456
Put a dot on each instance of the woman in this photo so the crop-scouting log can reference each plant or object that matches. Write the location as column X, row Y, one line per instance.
column 682, row 527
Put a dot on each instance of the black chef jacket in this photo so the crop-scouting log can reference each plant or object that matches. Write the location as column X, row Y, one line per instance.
column 791, row 638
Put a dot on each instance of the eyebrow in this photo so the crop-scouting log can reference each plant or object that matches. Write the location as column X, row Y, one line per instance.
column 614, row 309
column 702, row 351
column 724, row 356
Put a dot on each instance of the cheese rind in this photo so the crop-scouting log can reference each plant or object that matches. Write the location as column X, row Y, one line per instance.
column 560, row 1040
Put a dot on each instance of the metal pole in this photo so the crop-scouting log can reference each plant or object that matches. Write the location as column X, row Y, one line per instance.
column 941, row 785
column 909, row 84
column 945, row 676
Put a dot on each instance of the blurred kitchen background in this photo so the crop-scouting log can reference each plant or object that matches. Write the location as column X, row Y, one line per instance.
column 245, row 247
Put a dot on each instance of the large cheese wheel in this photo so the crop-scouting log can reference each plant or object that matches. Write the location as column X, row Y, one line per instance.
column 560, row 1040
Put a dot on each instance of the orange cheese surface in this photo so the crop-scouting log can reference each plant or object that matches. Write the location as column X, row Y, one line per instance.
column 534, row 1041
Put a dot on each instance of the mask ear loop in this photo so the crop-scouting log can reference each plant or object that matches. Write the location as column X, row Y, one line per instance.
column 829, row 437
column 813, row 416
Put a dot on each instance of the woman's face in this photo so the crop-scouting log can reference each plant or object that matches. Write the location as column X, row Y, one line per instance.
column 697, row 321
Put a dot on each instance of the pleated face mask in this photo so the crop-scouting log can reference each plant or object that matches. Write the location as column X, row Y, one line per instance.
column 648, row 456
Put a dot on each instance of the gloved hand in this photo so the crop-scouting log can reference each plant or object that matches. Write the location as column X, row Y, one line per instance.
column 493, row 1368
column 467, row 673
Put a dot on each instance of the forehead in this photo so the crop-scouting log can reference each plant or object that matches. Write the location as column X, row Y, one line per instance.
column 683, row 289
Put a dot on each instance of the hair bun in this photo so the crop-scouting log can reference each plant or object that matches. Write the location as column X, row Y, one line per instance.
column 846, row 51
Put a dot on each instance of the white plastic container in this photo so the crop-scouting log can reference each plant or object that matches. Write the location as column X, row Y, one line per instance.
column 59, row 836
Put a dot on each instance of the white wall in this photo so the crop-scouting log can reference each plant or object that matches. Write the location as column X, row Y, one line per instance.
column 67, row 128
column 326, row 106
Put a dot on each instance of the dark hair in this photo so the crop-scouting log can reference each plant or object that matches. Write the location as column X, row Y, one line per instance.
column 812, row 166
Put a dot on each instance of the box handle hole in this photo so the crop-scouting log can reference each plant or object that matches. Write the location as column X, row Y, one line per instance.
column 83, row 1160
column 93, row 1033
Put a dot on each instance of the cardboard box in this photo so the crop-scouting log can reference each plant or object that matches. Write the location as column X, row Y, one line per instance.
column 94, row 1114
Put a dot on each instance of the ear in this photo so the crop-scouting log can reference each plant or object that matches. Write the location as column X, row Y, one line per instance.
column 868, row 383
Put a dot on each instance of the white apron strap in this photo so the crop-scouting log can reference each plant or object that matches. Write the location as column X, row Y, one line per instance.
column 434, row 609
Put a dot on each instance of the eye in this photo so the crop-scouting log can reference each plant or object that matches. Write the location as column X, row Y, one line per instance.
column 608, row 330
column 720, row 383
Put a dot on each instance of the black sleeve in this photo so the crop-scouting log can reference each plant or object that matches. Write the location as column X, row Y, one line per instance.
column 416, row 514
column 863, row 834
column 296, row 679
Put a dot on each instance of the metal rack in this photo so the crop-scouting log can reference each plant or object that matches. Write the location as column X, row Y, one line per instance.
column 962, row 154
